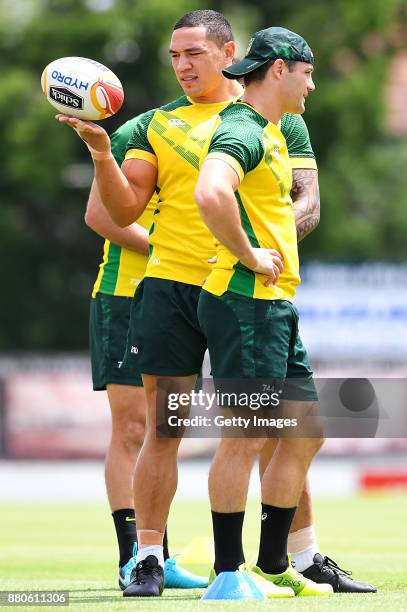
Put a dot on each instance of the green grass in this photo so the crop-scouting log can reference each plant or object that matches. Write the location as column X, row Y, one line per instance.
column 72, row 547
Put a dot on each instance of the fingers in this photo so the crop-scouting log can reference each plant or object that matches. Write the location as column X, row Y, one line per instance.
column 275, row 253
column 272, row 277
column 213, row 260
column 273, row 266
column 277, row 259
column 93, row 135
column 271, row 280
column 278, row 267
column 78, row 124
column 278, row 262
column 72, row 121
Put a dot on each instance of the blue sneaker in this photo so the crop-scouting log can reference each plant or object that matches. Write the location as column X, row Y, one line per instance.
column 125, row 571
column 176, row 577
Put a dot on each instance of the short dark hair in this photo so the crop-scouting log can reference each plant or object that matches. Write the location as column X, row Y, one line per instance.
column 259, row 74
column 217, row 26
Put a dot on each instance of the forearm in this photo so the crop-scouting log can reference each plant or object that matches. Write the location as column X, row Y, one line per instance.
column 220, row 213
column 306, row 201
column 306, row 220
column 116, row 193
column 134, row 237
column 215, row 196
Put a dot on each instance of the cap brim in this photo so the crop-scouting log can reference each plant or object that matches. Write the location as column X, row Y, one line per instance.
column 235, row 71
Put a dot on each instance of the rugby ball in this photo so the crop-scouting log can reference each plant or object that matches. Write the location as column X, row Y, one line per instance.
column 83, row 88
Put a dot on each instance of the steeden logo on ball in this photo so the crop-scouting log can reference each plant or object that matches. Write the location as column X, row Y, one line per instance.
column 61, row 95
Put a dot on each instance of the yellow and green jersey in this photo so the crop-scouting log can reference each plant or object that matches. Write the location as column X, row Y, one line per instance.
column 121, row 269
column 257, row 150
column 175, row 138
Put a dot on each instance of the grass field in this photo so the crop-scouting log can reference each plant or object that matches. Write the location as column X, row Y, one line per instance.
column 72, row 547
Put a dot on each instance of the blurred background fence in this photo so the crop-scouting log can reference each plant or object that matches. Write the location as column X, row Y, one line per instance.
column 353, row 301
column 353, row 319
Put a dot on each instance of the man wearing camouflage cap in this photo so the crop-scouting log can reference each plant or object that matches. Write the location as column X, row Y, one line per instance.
column 250, row 323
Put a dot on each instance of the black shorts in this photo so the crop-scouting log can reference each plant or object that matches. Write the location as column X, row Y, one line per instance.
column 108, row 327
column 164, row 334
column 256, row 341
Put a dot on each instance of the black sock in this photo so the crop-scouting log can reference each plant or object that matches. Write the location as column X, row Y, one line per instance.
column 275, row 525
column 165, row 545
column 125, row 524
column 227, row 535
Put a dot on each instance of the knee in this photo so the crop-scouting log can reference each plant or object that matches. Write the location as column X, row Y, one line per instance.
column 255, row 446
column 267, row 451
column 161, row 447
column 133, row 434
column 303, row 448
column 129, row 432
column 249, row 447
column 318, row 444
column 312, row 445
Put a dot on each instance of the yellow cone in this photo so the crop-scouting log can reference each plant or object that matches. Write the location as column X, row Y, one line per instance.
column 199, row 551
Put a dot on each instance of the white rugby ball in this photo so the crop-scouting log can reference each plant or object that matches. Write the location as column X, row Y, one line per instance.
column 83, row 88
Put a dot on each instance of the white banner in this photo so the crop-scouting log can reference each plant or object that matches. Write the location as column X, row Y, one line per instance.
column 355, row 312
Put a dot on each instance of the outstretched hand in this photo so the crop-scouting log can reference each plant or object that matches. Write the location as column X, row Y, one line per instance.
column 94, row 136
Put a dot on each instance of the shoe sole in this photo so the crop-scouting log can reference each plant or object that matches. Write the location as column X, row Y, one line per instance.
column 146, row 595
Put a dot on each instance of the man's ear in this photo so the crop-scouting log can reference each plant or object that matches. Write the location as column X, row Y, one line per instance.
column 278, row 68
column 229, row 49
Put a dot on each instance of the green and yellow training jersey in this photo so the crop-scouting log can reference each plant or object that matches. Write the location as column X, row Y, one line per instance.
column 257, row 150
column 121, row 269
column 175, row 139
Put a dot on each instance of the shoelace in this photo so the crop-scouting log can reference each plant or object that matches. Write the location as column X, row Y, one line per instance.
column 144, row 570
column 329, row 563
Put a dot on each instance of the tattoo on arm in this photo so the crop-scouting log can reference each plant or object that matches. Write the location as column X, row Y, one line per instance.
column 305, row 196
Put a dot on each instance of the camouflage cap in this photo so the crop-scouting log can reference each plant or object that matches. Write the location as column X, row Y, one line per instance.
column 272, row 43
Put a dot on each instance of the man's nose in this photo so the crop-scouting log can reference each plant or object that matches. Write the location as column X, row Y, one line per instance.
column 184, row 62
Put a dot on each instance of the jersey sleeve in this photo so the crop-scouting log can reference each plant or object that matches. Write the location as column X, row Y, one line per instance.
column 138, row 146
column 237, row 143
column 298, row 141
column 119, row 140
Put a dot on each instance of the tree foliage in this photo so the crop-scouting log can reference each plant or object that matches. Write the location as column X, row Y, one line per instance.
column 51, row 257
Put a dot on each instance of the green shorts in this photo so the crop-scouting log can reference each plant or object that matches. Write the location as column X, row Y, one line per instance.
column 164, row 334
column 256, row 340
column 108, row 327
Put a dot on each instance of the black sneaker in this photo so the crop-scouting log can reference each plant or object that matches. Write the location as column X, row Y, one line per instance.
column 326, row 570
column 147, row 579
